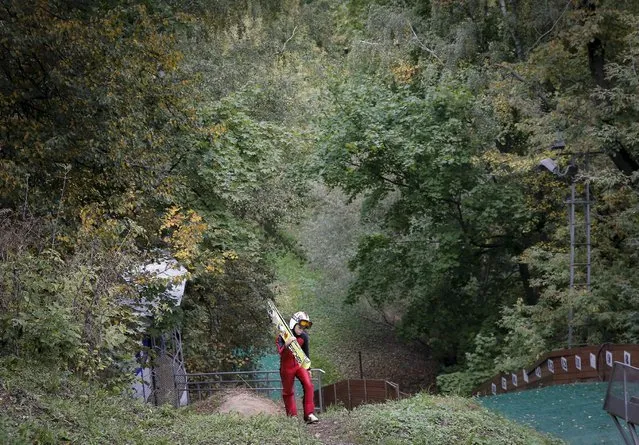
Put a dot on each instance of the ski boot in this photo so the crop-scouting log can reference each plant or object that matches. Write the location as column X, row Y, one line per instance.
column 311, row 418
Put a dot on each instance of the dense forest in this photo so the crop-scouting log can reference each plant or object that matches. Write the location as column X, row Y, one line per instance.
column 132, row 130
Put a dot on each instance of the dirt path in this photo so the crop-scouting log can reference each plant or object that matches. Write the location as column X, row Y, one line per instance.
column 328, row 431
column 240, row 401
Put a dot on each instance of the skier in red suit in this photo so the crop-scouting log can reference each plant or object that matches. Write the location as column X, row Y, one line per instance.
column 289, row 368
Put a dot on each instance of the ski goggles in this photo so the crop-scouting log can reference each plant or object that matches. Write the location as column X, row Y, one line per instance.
column 305, row 324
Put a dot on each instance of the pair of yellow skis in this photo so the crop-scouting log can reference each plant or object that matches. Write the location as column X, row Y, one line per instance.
column 285, row 332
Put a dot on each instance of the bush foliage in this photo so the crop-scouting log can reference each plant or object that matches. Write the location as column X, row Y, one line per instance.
column 119, row 144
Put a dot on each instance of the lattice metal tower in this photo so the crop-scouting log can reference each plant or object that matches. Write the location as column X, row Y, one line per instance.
column 579, row 204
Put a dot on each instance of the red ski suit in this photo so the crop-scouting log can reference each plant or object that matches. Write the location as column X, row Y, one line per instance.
column 289, row 369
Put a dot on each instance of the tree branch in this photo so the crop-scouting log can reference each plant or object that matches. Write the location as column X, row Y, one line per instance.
column 517, row 76
column 551, row 28
column 381, row 176
column 281, row 51
column 424, row 47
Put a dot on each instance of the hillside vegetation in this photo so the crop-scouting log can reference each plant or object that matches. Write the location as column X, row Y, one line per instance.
column 42, row 406
column 375, row 162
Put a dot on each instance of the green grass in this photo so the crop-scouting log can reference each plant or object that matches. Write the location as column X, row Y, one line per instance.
column 426, row 419
column 44, row 406
column 299, row 291
column 342, row 332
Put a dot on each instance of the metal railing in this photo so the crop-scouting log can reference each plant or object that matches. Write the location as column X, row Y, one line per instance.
column 354, row 392
column 622, row 400
column 199, row 386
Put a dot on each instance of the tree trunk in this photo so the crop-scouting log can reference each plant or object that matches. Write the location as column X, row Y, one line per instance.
column 597, row 62
column 510, row 20
column 531, row 296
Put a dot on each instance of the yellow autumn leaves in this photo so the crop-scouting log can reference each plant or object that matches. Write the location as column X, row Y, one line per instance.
column 184, row 230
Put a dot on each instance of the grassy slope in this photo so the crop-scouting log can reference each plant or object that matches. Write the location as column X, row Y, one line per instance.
column 297, row 287
column 340, row 332
column 329, row 235
column 426, row 419
column 39, row 405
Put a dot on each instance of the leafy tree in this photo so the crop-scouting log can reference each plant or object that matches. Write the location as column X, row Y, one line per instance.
column 442, row 132
column 113, row 146
column 444, row 250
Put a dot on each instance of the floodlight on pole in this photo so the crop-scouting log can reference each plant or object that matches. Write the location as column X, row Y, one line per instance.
column 550, row 165
column 570, row 173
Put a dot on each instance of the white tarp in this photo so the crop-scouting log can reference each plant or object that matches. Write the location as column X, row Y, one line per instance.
column 166, row 272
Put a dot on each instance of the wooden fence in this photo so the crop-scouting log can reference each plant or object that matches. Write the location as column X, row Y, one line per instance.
column 583, row 364
column 354, row 392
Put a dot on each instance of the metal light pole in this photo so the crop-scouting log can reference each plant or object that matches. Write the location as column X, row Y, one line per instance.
column 576, row 245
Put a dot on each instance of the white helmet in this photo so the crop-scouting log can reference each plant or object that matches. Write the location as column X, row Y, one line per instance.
column 300, row 318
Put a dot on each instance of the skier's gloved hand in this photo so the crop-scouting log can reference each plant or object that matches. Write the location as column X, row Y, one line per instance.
column 289, row 340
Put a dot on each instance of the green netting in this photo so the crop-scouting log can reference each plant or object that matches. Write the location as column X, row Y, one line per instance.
column 572, row 412
column 271, row 362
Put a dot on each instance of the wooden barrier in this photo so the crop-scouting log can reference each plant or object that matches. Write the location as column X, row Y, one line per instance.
column 583, row 364
column 354, row 392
